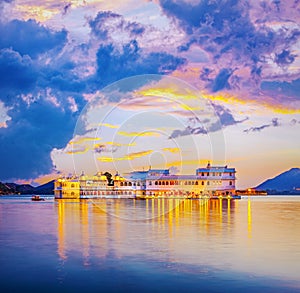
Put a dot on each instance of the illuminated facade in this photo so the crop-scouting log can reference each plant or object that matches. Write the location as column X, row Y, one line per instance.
column 207, row 182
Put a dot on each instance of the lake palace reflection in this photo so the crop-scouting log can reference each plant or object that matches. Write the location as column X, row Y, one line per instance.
column 102, row 224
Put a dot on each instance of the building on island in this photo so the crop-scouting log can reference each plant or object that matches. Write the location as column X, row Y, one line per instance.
column 212, row 181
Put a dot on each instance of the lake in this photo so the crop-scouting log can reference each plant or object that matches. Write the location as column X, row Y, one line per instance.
column 153, row 245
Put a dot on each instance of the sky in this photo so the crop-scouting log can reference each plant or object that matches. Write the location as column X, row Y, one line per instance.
column 94, row 85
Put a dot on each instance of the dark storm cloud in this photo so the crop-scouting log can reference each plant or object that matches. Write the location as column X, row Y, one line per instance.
column 225, row 29
column 107, row 22
column 221, row 80
column 30, row 38
column 37, row 88
column 37, row 124
column 17, row 73
column 31, row 135
column 114, row 64
column 285, row 57
column 280, row 88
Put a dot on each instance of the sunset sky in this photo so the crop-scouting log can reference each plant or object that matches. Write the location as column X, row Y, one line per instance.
column 122, row 85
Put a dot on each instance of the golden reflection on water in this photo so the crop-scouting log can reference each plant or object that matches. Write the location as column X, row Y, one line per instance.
column 259, row 236
column 249, row 218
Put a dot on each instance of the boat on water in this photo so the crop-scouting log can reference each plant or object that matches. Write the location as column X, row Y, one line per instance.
column 37, row 198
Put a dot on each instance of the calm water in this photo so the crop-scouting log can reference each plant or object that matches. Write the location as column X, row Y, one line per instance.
column 150, row 245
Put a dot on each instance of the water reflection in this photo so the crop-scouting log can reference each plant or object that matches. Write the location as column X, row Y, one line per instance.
column 122, row 227
column 258, row 236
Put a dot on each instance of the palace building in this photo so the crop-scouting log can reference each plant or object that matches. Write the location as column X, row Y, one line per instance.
column 211, row 181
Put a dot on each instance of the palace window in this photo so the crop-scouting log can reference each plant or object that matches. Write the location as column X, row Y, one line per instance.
column 196, row 182
column 72, row 185
column 150, row 182
column 167, row 182
column 202, row 183
column 156, row 183
column 163, row 183
column 202, row 174
column 230, row 182
column 207, row 182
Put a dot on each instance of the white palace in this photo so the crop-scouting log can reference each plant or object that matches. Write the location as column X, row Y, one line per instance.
column 211, row 182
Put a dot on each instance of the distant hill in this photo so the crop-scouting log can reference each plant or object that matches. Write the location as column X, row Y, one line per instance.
column 13, row 188
column 288, row 181
column 47, row 188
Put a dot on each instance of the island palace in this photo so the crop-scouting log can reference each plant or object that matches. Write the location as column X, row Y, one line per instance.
column 211, row 181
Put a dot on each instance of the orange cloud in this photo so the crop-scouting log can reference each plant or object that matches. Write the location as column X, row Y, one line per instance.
column 39, row 13
column 173, row 94
column 169, row 93
column 135, row 134
column 84, row 139
column 108, row 125
column 172, row 150
column 128, row 157
column 132, row 156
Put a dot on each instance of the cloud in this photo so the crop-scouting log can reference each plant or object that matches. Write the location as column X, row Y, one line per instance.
column 108, row 23
column 257, row 129
column 114, row 64
column 108, row 125
column 17, row 73
column 110, row 146
column 128, row 157
column 80, row 140
column 197, row 126
column 274, row 123
column 66, row 8
column 103, row 148
column 187, row 131
column 43, row 74
column 282, row 88
column 26, row 143
column 137, row 134
column 225, row 116
column 221, row 80
column 30, row 38
column 246, row 43
column 285, row 58
column 172, row 150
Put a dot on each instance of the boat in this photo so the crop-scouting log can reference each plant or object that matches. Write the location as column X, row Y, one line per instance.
column 37, row 198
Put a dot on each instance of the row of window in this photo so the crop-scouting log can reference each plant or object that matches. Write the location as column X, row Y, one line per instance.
column 65, row 185
column 213, row 174
column 174, row 182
